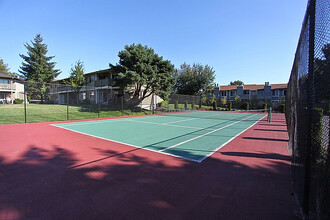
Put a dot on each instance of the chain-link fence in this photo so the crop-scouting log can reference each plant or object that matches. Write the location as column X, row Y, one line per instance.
column 98, row 99
column 307, row 112
column 60, row 102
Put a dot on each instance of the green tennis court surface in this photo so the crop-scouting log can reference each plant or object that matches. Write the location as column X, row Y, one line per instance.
column 190, row 135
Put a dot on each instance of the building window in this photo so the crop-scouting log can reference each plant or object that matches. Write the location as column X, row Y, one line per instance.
column 246, row 92
column 275, row 92
column 284, row 92
column 4, row 81
column 260, row 92
column 105, row 97
column 223, row 93
column 91, row 95
column 232, row 93
column 91, row 78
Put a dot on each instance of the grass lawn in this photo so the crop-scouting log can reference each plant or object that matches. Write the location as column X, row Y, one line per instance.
column 11, row 114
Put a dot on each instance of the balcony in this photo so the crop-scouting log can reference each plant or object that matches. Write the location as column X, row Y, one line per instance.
column 7, row 87
column 104, row 82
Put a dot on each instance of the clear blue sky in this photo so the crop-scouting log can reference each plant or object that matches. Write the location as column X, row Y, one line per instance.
column 250, row 40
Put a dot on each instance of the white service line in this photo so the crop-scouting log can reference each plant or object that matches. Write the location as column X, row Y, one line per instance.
column 188, row 119
column 213, row 151
column 210, row 132
column 180, row 126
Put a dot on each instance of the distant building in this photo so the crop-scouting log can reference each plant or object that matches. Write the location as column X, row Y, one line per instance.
column 273, row 93
column 11, row 88
column 99, row 88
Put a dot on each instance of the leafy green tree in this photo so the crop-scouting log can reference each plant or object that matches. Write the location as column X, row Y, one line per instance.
column 143, row 72
column 37, row 67
column 236, row 82
column 254, row 102
column 224, row 101
column 193, row 80
column 203, row 99
column 77, row 78
column 237, row 102
column 4, row 68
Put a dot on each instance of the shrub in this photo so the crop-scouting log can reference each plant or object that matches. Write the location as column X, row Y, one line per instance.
column 163, row 103
column 214, row 105
column 224, row 102
column 18, row 101
column 85, row 102
column 176, row 103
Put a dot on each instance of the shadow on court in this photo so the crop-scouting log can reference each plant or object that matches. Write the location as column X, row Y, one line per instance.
column 258, row 155
column 53, row 182
column 265, row 139
column 258, row 129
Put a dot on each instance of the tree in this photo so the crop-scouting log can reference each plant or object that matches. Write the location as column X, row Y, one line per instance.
column 237, row 102
column 77, row 78
column 4, row 68
column 36, row 67
column 193, row 80
column 224, row 101
column 236, row 82
column 143, row 72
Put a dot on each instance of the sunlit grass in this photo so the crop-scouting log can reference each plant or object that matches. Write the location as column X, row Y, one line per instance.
column 12, row 114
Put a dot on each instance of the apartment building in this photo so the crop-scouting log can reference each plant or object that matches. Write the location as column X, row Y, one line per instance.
column 11, row 88
column 273, row 93
column 99, row 88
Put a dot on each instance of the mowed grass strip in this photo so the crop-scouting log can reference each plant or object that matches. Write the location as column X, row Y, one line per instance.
column 12, row 114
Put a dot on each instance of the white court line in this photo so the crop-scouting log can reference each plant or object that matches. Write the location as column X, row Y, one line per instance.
column 143, row 148
column 180, row 126
column 213, row 151
column 210, row 132
column 97, row 122
column 188, row 119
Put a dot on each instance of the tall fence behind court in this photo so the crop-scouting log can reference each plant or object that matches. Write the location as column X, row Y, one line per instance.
column 307, row 112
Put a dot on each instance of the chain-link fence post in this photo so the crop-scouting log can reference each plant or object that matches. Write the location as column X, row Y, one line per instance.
column 25, row 100
column 67, row 103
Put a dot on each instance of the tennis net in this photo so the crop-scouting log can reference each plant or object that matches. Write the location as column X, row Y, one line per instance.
column 242, row 115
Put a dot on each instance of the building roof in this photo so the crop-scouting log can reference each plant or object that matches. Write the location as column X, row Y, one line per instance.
column 253, row 87
column 105, row 71
column 279, row 86
column 5, row 76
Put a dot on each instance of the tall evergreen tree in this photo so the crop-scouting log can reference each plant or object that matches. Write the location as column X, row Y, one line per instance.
column 77, row 77
column 4, row 68
column 37, row 67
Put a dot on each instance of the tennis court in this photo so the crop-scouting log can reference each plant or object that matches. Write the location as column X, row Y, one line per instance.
column 192, row 135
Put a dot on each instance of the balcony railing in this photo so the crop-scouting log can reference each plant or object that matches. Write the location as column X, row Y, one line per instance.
column 11, row 87
column 104, row 82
